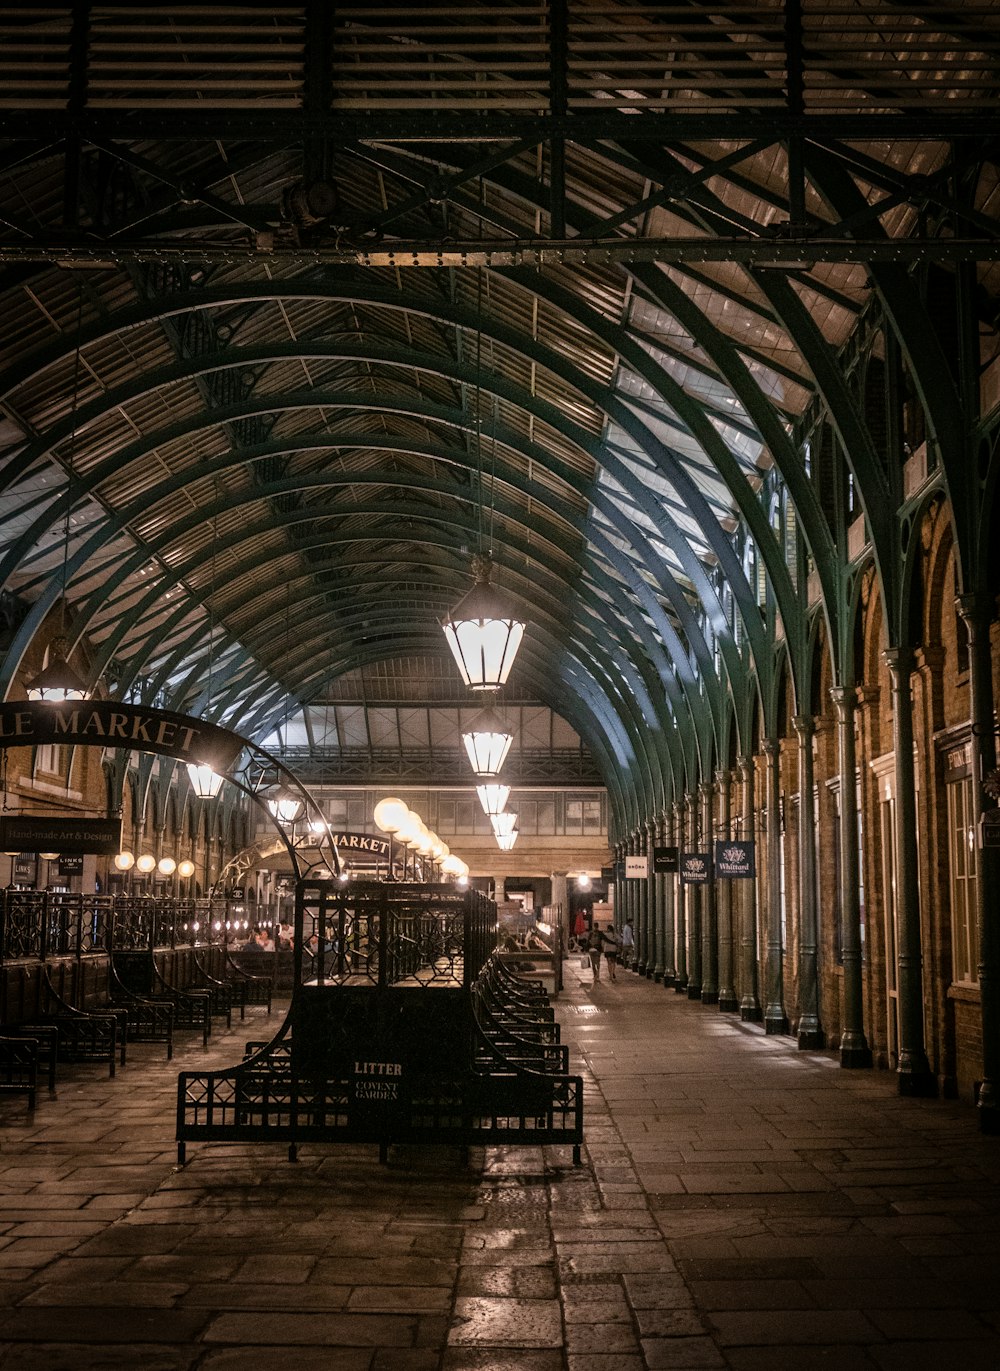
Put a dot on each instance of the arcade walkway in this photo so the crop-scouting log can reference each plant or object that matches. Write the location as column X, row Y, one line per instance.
column 742, row 1206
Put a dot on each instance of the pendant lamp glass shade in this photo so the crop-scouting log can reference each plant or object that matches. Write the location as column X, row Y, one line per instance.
column 503, row 823
column 493, row 797
column 487, row 742
column 285, row 805
column 57, row 682
column 505, row 841
column 205, row 782
column 482, row 632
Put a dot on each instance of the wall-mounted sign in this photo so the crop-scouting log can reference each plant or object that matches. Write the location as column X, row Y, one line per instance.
column 59, row 833
column 25, row 869
column 109, row 723
column 607, row 874
column 695, row 867
column 989, row 828
column 665, row 860
column 636, row 868
column 735, row 859
column 70, row 864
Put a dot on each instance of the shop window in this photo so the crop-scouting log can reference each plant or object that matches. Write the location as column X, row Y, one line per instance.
column 963, row 880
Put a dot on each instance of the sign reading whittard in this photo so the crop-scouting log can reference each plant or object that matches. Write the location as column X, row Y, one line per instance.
column 108, row 723
column 735, row 859
column 696, row 867
column 59, row 833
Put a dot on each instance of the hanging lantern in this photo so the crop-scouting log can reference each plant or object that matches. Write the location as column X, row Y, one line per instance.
column 487, row 742
column 482, row 632
column 205, row 782
column 285, row 805
column 493, row 797
column 57, row 682
column 507, row 840
column 503, row 823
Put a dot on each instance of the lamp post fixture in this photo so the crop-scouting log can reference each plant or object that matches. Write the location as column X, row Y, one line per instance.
column 205, row 782
column 493, row 797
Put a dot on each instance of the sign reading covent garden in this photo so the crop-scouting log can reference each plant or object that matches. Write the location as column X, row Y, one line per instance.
column 109, row 723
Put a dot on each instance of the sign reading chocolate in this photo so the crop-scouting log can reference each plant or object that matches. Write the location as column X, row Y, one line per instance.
column 109, row 723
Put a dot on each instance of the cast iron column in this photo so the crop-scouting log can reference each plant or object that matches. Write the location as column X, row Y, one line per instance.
column 724, row 900
column 976, row 611
column 667, row 882
column 749, row 1001
column 914, row 1073
column 710, row 909
column 694, row 906
column 775, row 1020
column 654, row 961
column 810, row 1032
column 854, row 1049
column 681, row 979
column 639, row 895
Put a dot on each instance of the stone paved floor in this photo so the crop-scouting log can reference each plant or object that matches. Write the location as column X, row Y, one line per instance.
column 742, row 1205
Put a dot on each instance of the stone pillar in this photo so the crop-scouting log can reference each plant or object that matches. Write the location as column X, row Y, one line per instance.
column 913, row 1071
column 775, row 1019
column 681, row 979
column 724, row 902
column 854, row 1048
column 976, row 611
column 749, row 994
column 810, row 1031
column 694, row 906
column 710, row 908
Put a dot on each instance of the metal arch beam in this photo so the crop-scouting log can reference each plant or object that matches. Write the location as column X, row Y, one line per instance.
column 600, row 397
column 663, row 678
column 324, row 541
column 311, row 400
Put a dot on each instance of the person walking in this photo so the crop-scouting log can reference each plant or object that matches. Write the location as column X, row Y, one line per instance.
column 628, row 944
column 595, row 942
column 610, row 945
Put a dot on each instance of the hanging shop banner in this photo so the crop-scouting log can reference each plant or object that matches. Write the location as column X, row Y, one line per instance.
column 735, row 859
column 109, row 723
column 364, row 844
column 695, row 867
column 71, row 865
column 607, row 875
column 59, row 833
column 665, row 860
column 636, row 868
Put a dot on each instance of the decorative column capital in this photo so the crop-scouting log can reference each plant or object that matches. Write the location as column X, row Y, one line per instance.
column 976, row 608
column 899, row 660
column 706, row 789
column 723, row 776
column 804, row 725
column 771, row 747
column 745, row 764
column 845, row 701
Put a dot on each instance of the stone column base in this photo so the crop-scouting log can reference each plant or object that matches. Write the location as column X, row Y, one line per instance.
column 727, row 1002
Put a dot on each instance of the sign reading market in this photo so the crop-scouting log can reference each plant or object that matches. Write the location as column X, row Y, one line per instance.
column 109, row 723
